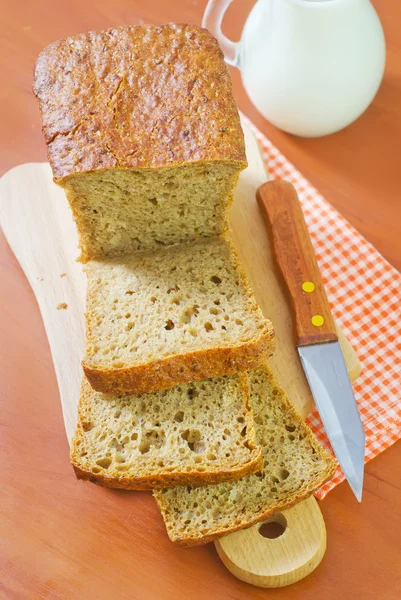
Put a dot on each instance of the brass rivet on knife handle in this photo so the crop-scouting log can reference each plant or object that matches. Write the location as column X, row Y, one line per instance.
column 296, row 259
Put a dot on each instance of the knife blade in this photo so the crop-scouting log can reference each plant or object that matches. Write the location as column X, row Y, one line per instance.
column 316, row 335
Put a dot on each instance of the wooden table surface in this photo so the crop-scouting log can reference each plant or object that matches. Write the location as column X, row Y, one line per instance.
column 64, row 540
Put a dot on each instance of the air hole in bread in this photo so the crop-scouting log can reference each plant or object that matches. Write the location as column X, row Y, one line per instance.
column 194, row 440
column 103, row 462
column 115, row 444
column 169, row 325
column 215, row 279
column 193, row 393
column 144, row 447
column 173, row 289
column 179, row 416
column 290, row 428
column 119, row 458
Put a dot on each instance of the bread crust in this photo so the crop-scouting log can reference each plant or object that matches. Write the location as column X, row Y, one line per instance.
column 183, row 368
column 169, row 480
column 141, row 97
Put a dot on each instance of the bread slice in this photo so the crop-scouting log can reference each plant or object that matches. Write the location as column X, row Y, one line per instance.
column 192, row 434
column 294, row 466
column 183, row 313
column 143, row 134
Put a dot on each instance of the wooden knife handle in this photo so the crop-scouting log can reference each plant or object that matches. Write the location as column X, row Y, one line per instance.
column 296, row 259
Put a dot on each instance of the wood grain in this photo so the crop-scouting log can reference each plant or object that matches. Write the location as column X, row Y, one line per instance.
column 279, row 561
column 64, row 541
column 295, row 256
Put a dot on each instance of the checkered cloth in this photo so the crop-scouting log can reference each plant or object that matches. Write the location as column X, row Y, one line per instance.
column 364, row 292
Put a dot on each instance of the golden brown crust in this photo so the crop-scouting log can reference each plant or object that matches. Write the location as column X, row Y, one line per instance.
column 184, row 368
column 142, row 97
column 168, row 480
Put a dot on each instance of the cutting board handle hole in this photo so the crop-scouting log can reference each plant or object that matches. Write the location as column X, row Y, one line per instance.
column 274, row 527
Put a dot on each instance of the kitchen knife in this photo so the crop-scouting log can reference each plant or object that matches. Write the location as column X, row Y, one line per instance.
column 317, row 340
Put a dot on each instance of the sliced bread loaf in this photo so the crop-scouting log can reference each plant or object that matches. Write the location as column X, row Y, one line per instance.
column 143, row 134
column 192, row 434
column 294, row 466
column 183, row 313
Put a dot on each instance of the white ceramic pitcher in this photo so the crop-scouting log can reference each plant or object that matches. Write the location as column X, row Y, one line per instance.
column 311, row 67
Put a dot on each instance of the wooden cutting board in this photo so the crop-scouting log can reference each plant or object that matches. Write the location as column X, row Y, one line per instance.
column 37, row 222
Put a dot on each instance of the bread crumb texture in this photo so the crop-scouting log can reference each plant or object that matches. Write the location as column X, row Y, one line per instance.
column 191, row 434
column 294, row 466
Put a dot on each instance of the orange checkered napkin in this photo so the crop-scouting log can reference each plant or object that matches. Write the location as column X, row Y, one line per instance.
column 364, row 292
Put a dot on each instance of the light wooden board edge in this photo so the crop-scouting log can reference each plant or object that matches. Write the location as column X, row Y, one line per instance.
column 38, row 225
column 282, row 561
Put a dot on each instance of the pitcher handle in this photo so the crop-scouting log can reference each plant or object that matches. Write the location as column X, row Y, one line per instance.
column 212, row 20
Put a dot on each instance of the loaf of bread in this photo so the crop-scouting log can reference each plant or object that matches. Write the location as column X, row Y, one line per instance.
column 294, row 466
column 183, row 313
column 142, row 133
column 192, row 434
